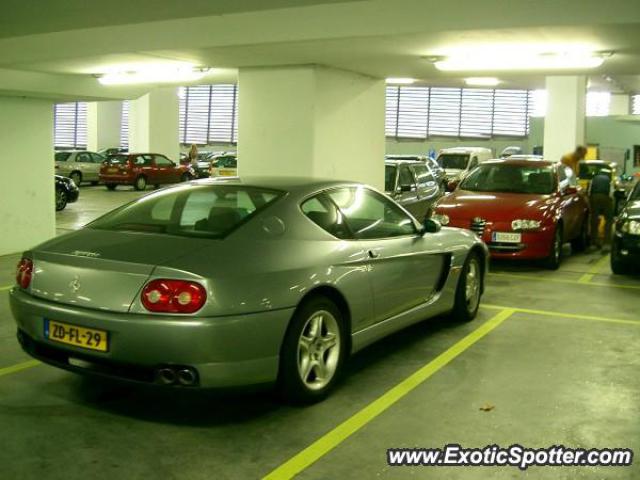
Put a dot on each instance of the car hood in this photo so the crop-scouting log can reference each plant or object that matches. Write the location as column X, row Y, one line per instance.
column 106, row 270
column 491, row 206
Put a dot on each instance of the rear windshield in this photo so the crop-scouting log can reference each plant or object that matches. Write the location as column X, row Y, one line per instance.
column 62, row 156
column 389, row 178
column 211, row 211
column 117, row 159
column 456, row 161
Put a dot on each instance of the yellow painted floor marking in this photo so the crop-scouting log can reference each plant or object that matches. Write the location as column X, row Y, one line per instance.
column 18, row 367
column 562, row 280
column 587, row 277
column 332, row 439
column 578, row 316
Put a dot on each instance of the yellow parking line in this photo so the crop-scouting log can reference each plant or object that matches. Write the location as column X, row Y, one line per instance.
column 18, row 367
column 6, row 287
column 332, row 439
column 561, row 280
column 587, row 277
column 578, row 316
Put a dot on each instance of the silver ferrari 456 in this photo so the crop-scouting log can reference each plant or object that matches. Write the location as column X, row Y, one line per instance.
column 234, row 282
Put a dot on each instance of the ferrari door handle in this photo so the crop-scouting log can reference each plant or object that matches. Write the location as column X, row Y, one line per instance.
column 374, row 253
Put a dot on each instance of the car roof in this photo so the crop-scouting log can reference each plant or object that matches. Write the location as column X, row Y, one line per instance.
column 289, row 184
column 464, row 150
column 521, row 162
column 402, row 161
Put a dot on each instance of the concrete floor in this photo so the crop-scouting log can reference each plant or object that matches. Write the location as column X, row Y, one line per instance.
column 553, row 379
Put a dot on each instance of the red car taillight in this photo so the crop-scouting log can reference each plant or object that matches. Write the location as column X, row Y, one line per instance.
column 173, row 296
column 24, row 272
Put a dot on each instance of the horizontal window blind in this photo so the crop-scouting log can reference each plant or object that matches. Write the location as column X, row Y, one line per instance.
column 635, row 105
column 476, row 116
column 70, row 125
column 124, row 125
column 510, row 113
column 413, row 107
column 422, row 112
column 209, row 113
column 598, row 104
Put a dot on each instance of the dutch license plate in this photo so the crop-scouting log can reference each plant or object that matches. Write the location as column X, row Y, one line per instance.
column 89, row 338
column 227, row 173
column 506, row 237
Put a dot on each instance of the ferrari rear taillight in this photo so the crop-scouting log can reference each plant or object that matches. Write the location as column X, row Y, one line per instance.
column 173, row 296
column 24, row 272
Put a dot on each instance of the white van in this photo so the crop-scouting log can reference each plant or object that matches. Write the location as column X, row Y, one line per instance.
column 458, row 161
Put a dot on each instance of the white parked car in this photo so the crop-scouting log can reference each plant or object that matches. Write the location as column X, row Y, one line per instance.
column 80, row 166
column 459, row 161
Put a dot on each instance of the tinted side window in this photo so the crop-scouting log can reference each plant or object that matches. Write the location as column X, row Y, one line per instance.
column 406, row 177
column 423, row 175
column 370, row 215
column 83, row 157
column 321, row 211
column 97, row 158
column 163, row 161
column 143, row 160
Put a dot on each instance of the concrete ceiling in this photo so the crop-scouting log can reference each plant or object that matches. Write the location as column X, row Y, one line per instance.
column 64, row 42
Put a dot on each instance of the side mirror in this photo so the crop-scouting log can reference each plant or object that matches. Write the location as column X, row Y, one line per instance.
column 431, row 226
column 452, row 185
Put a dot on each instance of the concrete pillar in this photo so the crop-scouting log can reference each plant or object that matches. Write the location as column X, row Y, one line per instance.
column 564, row 122
column 311, row 121
column 154, row 123
column 27, row 207
column 103, row 125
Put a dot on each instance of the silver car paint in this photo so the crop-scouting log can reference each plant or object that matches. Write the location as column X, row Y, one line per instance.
column 254, row 278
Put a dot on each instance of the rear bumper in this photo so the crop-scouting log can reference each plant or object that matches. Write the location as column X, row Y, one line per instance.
column 72, row 195
column 229, row 351
column 626, row 248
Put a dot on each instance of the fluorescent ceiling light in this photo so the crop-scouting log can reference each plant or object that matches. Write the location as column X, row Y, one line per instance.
column 498, row 59
column 401, row 81
column 482, row 81
column 153, row 74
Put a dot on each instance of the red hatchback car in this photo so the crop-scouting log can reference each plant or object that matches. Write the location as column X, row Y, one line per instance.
column 523, row 209
column 140, row 169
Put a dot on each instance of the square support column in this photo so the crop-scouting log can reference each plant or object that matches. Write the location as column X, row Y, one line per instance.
column 311, row 121
column 103, row 125
column 154, row 123
column 564, row 123
column 27, row 206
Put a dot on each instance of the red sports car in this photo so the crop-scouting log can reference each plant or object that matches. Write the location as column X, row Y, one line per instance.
column 523, row 209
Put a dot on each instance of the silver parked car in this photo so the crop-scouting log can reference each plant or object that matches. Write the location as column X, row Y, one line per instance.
column 221, row 282
column 413, row 185
column 79, row 166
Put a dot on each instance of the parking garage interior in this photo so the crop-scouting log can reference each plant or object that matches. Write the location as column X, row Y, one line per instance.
column 332, row 91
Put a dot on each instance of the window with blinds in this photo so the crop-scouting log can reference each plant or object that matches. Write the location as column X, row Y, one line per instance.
column 70, row 125
column 598, row 104
column 208, row 114
column 423, row 112
column 124, row 125
column 635, row 104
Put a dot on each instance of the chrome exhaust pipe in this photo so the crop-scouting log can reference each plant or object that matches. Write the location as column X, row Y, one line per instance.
column 186, row 377
column 166, row 376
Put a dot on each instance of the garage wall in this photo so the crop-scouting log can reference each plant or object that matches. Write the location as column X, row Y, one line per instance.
column 27, row 214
